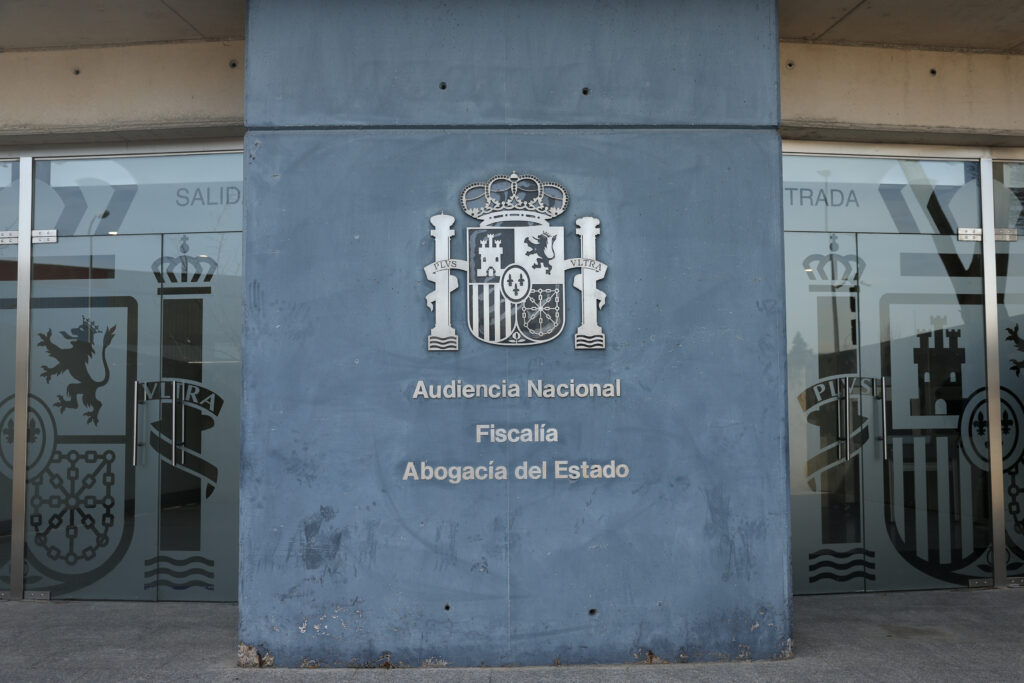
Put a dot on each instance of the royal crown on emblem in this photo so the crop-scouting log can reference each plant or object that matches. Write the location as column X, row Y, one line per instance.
column 514, row 196
column 836, row 268
column 183, row 272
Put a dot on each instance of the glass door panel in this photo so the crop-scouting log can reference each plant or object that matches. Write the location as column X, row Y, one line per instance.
column 927, row 507
column 879, row 195
column 91, row 511
column 200, row 366
column 825, row 428
column 140, row 194
column 8, row 311
column 1009, row 216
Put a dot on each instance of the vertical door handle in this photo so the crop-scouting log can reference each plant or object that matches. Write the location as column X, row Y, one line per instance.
column 135, row 423
column 182, row 442
column 885, row 424
column 849, row 423
column 174, row 421
column 839, row 416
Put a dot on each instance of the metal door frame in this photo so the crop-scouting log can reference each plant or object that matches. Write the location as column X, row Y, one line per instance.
column 26, row 158
column 985, row 156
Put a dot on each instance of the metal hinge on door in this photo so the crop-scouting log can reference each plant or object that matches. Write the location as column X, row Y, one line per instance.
column 38, row 236
column 974, row 234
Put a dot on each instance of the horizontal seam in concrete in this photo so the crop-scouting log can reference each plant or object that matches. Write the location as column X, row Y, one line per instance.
column 142, row 124
column 870, row 126
column 1010, row 51
column 659, row 126
column 107, row 46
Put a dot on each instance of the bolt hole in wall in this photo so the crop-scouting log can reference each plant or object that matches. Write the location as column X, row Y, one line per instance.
column 586, row 91
column 889, row 422
column 131, row 489
column 443, row 85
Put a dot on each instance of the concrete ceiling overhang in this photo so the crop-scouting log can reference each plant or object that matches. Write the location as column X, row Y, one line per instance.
column 55, row 24
column 980, row 25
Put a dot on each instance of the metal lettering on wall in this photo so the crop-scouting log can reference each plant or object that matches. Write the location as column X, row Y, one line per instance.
column 515, row 267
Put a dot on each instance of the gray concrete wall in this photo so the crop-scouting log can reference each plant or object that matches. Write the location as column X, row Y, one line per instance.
column 353, row 146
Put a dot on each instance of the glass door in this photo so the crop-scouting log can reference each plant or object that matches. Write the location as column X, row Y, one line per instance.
column 826, row 441
column 91, row 508
column 134, row 379
column 886, row 330
column 927, row 505
column 190, row 416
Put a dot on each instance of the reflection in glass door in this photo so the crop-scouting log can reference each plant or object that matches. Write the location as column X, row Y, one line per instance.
column 885, row 322
column 134, row 379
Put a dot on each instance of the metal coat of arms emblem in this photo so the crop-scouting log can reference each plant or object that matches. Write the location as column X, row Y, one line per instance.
column 515, row 266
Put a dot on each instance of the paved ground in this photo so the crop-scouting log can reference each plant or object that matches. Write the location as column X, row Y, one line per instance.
column 924, row 636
